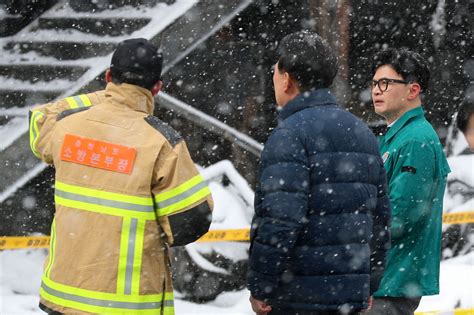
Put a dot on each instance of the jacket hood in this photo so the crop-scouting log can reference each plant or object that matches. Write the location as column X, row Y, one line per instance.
column 132, row 96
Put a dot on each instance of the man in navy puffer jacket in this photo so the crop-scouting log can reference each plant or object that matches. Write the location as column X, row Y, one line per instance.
column 320, row 231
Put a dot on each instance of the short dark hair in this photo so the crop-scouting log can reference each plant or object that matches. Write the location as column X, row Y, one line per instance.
column 119, row 77
column 407, row 63
column 136, row 61
column 308, row 59
column 466, row 110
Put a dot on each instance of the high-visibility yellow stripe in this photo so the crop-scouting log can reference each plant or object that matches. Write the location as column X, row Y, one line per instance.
column 113, row 297
column 72, row 102
column 129, row 269
column 131, row 254
column 34, row 131
column 78, row 101
column 145, row 201
column 137, row 263
column 169, row 310
column 179, row 189
column 103, row 209
column 97, row 200
column 201, row 194
column 63, row 301
column 100, row 302
column 123, row 255
column 52, row 249
column 182, row 196
column 104, row 202
column 85, row 100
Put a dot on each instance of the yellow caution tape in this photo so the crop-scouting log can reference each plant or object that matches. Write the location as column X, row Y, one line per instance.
column 455, row 312
column 236, row 235
column 18, row 242
column 458, row 217
column 226, row 236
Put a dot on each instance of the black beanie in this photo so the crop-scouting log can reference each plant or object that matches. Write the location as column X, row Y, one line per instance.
column 137, row 59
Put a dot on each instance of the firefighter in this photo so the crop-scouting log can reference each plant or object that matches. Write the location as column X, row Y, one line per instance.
column 125, row 190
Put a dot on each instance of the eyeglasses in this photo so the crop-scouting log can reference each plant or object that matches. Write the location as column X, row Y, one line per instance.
column 384, row 82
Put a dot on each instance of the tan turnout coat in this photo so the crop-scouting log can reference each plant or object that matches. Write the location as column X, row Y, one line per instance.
column 121, row 174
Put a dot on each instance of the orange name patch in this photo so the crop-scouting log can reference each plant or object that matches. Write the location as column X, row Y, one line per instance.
column 99, row 154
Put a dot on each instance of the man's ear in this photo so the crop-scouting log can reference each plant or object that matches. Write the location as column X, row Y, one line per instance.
column 287, row 82
column 108, row 76
column 290, row 85
column 415, row 90
column 156, row 88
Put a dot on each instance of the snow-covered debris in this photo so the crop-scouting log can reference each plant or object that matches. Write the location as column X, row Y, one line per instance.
column 44, row 86
column 213, row 267
column 20, row 270
column 456, row 286
column 14, row 128
column 161, row 15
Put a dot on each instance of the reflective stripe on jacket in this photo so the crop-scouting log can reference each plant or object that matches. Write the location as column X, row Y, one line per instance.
column 112, row 229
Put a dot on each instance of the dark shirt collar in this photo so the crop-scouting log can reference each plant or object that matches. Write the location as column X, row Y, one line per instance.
column 402, row 121
column 305, row 100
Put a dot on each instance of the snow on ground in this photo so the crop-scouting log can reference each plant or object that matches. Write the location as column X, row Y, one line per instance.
column 457, row 286
column 462, row 168
column 21, row 275
column 460, row 188
column 21, row 272
column 3, row 13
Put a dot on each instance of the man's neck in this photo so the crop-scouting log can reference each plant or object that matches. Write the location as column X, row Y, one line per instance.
column 390, row 120
column 288, row 99
column 392, row 123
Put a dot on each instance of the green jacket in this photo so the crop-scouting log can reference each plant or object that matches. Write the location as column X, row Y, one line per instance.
column 416, row 174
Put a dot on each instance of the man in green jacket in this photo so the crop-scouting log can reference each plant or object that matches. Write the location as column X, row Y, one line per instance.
column 416, row 174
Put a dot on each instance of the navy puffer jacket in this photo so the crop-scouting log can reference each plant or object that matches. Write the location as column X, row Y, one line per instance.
column 320, row 231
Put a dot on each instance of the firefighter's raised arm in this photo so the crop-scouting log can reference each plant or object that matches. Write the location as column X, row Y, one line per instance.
column 42, row 119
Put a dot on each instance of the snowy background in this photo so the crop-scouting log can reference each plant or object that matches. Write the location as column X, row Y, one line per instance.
column 20, row 270
column 21, row 276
